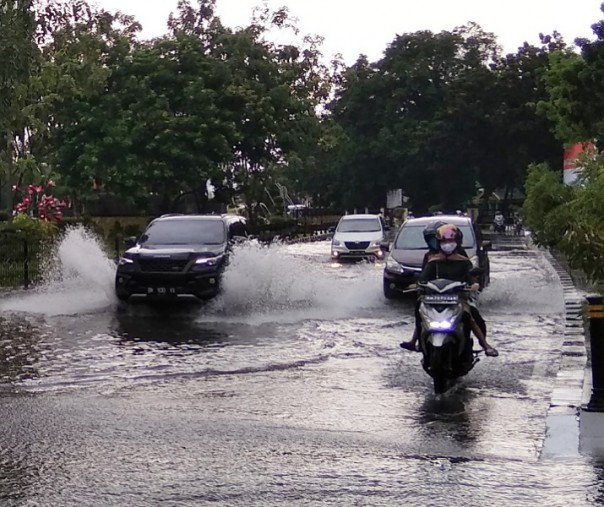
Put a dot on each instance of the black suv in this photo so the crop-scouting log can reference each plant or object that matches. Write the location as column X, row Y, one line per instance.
column 178, row 256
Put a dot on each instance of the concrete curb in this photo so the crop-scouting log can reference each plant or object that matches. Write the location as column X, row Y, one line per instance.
column 567, row 395
column 563, row 433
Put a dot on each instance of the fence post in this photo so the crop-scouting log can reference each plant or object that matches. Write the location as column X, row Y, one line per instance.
column 596, row 339
column 25, row 264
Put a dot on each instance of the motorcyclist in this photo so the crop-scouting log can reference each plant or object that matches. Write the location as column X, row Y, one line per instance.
column 518, row 224
column 449, row 263
column 499, row 222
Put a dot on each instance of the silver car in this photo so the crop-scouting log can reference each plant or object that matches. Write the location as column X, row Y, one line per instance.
column 359, row 236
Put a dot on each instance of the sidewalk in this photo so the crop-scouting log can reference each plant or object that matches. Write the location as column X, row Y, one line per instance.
column 571, row 431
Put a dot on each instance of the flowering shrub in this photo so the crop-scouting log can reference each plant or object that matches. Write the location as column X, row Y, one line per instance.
column 37, row 202
column 34, row 228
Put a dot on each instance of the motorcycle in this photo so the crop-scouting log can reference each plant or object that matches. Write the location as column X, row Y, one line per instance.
column 445, row 342
column 499, row 224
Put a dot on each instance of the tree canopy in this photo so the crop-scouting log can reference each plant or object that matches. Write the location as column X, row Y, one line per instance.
column 439, row 115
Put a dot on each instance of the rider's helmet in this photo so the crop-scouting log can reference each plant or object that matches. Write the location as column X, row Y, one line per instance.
column 449, row 238
column 430, row 234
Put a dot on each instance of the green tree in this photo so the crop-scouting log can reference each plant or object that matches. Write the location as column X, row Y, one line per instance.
column 402, row 117
column 19, row 58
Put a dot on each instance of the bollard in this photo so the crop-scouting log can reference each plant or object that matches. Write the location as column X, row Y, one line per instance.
column 596, row 336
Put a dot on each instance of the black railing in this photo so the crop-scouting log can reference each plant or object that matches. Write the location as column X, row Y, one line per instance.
column 19, row 263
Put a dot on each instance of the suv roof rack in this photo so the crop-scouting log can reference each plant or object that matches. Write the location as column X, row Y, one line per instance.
column 171, row 215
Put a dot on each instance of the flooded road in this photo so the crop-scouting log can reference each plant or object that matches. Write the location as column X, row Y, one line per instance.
column 288, row 389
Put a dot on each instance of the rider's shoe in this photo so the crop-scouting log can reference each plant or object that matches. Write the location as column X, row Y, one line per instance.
column 409, row 346
column 491, row 352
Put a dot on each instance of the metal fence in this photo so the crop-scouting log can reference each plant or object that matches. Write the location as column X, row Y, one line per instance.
column 19, row 263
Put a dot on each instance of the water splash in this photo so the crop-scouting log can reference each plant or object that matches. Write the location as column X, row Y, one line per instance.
column 79, row 278
column 269, row 284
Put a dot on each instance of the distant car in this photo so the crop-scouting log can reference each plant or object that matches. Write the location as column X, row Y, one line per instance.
column 359, row 236
column 178, row 257
column 404, row 261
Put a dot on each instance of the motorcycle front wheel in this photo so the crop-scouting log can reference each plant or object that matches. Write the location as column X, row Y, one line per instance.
column 439, row 365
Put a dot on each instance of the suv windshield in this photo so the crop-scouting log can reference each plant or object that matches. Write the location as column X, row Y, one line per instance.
column 359, row 225
column 184, row 232
column 411, row 237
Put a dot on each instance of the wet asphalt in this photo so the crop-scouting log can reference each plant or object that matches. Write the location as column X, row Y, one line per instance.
column 289, row 389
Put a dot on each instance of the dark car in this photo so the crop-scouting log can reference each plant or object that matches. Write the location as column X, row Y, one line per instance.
column 178, row 257
column 404, row 261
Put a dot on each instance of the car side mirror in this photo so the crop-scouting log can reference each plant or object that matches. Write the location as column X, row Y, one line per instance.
column 487, row 245
column 130, row 242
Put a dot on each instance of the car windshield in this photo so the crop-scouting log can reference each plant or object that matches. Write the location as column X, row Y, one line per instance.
column 411, row 237
column 184, row 232
column 359, row 225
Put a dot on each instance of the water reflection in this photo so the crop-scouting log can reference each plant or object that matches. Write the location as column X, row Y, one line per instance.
column 19, row 349
column 175, row 329
column 16, row 476
column 445, row 417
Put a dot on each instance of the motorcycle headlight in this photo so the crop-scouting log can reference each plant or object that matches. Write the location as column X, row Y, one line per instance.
column 393, row 266
column 443, row 325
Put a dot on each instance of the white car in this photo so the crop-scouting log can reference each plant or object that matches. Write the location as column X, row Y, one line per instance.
column 360, row 236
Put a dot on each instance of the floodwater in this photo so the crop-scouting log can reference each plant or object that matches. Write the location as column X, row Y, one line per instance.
column 288, row 389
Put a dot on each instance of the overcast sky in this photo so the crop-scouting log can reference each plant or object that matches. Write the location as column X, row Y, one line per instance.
column 351, row 27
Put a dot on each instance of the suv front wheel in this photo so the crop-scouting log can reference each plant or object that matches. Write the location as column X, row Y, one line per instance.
column 388, row 292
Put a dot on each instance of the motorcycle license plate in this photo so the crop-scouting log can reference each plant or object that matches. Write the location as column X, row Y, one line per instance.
column 442, row 299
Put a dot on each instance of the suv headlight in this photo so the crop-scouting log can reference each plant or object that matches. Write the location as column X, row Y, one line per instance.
column 208, row 261
column 125, row 261
column 393, row 266
column 336, row 242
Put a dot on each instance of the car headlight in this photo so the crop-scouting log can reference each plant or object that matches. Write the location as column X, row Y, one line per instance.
column 208, row 261
column 376, row 242
column 393, row 266
column 125, row 261
column 336, row 242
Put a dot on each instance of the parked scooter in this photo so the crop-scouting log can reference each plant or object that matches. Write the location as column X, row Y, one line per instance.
column 445, row 343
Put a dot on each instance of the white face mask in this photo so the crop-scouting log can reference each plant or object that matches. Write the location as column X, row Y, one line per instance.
column 448, row 248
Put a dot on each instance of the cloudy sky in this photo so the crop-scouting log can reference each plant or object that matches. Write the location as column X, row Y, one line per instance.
column 351, row 27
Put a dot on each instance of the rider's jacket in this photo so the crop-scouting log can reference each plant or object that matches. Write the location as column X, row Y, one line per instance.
column 454, row 267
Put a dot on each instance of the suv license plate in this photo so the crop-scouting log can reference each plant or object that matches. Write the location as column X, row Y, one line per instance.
column 162, row 291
